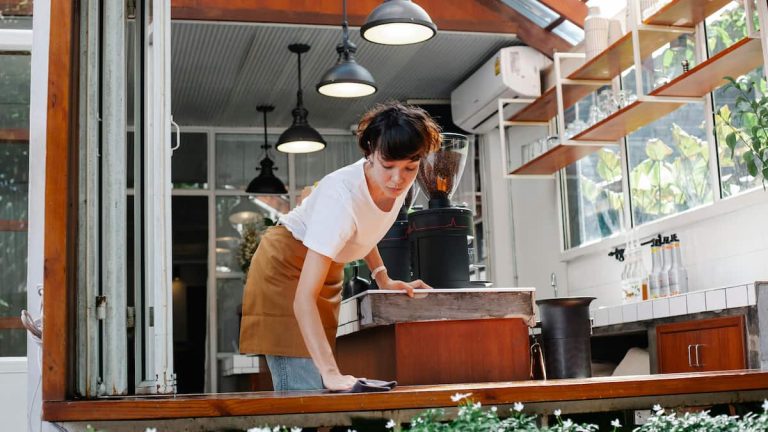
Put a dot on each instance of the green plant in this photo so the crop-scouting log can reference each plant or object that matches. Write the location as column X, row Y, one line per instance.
column 252, row 232
column 747, row 125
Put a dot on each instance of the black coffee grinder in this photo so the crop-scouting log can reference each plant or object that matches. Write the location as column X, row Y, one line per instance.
column 439, row 235
column 395, row 249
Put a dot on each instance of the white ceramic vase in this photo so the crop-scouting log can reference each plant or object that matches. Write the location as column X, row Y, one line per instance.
column 595, row 32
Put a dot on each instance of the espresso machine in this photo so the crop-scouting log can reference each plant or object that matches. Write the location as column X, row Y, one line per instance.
column 439, row 235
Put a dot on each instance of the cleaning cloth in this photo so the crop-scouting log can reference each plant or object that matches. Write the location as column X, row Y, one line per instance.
column 364, row 385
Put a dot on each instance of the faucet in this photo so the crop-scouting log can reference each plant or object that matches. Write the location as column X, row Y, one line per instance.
column 553, row 283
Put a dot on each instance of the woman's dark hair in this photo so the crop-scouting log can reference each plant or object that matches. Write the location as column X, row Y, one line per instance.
column 398, row 132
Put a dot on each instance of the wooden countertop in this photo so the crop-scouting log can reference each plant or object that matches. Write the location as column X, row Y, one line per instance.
column 750, row 384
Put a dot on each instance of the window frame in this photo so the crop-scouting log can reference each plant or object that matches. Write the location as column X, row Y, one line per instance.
column 720, row 205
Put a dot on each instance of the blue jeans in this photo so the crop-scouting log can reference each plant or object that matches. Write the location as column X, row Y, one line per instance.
column 294, row 373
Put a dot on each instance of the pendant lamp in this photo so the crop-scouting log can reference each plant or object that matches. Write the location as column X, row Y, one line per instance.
column 266, row 183
column 226, row 234
column 244, row 212
column 300, row 137
column 398, row 22
column 346, row 79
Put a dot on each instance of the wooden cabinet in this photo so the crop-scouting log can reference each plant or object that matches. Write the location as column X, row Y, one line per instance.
column 701, row 345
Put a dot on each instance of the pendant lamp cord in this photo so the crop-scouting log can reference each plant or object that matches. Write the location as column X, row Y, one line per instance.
column 300, row 93
column 347, row 48
column 266, row 144
column 344, row 23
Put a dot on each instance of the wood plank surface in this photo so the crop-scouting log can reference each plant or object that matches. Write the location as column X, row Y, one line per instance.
column 11, row 323
column 627, row 120
column 406, row 397
column 60, row 188
column 685, row 13
column 18, row 135
column 13, row 225
column 379, row 307
column 545, row 106
column 618, row 57
column 556, row 158
column 734, row 61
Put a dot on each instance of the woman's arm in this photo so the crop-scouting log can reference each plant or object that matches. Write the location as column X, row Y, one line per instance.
column 313, row 275
column 374, row 261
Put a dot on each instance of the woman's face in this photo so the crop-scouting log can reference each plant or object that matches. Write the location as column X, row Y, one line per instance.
column 393, row 177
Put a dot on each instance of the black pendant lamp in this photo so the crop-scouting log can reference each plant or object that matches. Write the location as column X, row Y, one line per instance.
column 266, row 183
column 398, row 22
column 300, row 137
column 346, row 79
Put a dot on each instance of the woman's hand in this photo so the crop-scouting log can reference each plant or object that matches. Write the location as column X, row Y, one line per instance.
column 337, row 381
column 408, row 287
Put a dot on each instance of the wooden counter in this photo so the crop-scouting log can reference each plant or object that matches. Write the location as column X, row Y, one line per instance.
column 446, row 336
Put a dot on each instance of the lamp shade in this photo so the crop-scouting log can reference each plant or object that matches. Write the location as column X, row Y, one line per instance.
column 398, row 22
column 300, row 137
column 347, row 79
column 244, row 212
column 226, row 234
column 266, row 183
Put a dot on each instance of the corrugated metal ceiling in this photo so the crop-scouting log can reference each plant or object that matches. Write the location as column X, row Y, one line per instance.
column 221, row 71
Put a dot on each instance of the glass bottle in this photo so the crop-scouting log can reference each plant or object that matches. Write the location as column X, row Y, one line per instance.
column 654, row 280
column 678, row 276
column 666, row 254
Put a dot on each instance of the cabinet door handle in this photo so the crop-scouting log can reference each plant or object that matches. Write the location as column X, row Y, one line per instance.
column 689, row 355
column 696, row 353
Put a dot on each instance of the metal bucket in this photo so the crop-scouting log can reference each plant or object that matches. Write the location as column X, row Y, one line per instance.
column 565, row 332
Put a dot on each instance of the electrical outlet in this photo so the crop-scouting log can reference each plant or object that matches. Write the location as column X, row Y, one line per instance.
column 641, row 417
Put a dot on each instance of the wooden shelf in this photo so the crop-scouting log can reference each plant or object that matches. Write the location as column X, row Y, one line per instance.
column 13, row 225
column 618, row 57
column 14, row 135
column 627, row 120
column 545, row 107
column 685, row 13
column 556, row 158
column 740, row 58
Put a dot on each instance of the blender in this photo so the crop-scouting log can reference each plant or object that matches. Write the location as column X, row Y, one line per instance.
column 439, row 235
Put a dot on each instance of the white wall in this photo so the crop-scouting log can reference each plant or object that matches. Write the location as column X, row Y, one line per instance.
column 722, row 250
column 13, row 393
column 521, row 219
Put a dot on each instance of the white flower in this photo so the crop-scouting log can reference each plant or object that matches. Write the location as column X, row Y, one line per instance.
column 390, row 424
column 276, row 429
column 493, row 409
column 765, row 405
column 567, row 423
column 295, row 429
column 151, row 430
column 477, row 405
column 616, row 423
column 459, row 396
column 557, row 413
column 658, row 409
column 518, row 406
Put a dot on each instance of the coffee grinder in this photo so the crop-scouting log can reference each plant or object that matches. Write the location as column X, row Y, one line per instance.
column 395, row 249
column 439, row 235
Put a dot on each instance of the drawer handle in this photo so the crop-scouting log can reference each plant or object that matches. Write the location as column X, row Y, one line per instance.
column 696, row 353
column 689, row 355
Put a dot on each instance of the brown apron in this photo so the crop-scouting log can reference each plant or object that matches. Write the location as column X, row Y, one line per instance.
column 268, row 325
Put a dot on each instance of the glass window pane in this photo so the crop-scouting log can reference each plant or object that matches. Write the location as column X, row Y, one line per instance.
column 726, row 27
column 14, row 186
column 16, row 17
column 669, row 165
column 593, row 200
column 189, row 164
column 311, row 167
column 569, row 31
column 232, row 216
column 734, row 174
column 238, row 156
column 15, row 73
column 229, row 302
column 534, row 11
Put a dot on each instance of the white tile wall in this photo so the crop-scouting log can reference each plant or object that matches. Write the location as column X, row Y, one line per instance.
column 716, row 300
column 724, row 251
column 736, row 296
column 677, row 305
column 696, row 302
column 614, row 315
column 660, row 307
column 629, row 312
column 645, row 310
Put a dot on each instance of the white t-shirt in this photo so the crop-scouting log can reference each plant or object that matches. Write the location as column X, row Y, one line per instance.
column 339, row 218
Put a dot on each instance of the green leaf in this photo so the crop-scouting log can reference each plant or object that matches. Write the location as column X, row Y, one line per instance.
column 730, row 141
column 657, row 150
column 749, row 159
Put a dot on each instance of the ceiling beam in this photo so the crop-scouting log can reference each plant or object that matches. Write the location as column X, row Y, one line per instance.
column 531, row 34
column 573, row 10
column 453, row 15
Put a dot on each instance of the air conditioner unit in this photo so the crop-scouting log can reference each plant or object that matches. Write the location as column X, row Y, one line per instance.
column 512, row 73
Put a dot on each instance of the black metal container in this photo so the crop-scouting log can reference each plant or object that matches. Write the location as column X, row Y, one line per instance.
column 395, row 250
column 439, row 251
column 565, row 332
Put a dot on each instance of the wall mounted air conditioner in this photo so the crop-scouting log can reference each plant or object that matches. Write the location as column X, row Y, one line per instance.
column 512, row 73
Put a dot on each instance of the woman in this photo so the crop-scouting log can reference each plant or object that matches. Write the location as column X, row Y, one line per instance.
column 293, row 291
